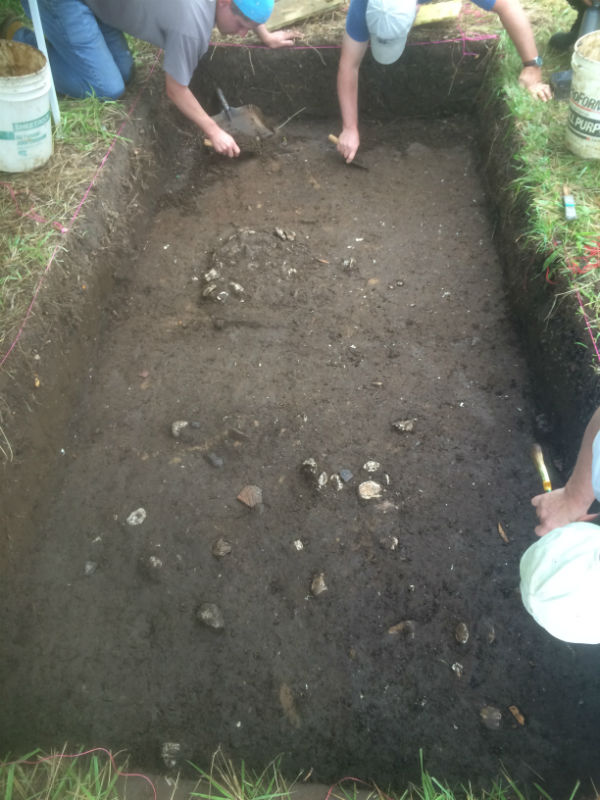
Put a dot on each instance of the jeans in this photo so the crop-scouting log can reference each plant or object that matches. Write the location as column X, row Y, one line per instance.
column 86, row 56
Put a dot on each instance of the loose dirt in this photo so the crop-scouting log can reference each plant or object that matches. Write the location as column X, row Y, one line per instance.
column 288, row 307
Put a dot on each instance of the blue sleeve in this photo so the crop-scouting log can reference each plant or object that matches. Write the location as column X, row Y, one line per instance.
column 356, row 21
column 487, row 5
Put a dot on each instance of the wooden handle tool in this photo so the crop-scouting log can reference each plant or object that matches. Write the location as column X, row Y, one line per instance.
column 354, row 163
column 538, row 460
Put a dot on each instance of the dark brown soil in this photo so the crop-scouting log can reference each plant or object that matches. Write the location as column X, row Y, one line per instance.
column 352, row 299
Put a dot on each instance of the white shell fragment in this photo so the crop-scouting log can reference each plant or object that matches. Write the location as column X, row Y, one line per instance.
column 250, row 496
column 90, row 567
column 178, row 426
column 318, row 585
column 458, row 669
column 211, row 275
column 371, row 466
column 336, row 482
column 170, row 753
column 221, row 548
column 322, row 480
column 309, row 466
column 236, row 288
column 491, row 717
column 404, row 425
column 211, row 615
column 298, row 544
column 137, row 517
column 369, row 490
column 461, row 633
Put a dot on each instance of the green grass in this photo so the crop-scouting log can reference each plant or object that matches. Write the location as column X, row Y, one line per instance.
column 97, row 776
column 544, row 165
column 58, row 777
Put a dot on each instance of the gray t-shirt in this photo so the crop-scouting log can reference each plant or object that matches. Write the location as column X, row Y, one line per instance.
column 181, row 28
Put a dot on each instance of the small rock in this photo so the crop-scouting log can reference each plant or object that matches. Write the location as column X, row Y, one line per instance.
column 178, row 426
column 491, row 717
column 137, row 517
column 215, row 460
column 211, row 615
column 346, row 475
column 458, row 669
column 404, row 425
column 170, row 753
column 407, row 627
column 209, row 290
column 349, row 264
column 298, row 544
column 322, row 480
column 318, row 585
column 389, row 542
column 211, row 275
column 251, row 496
column 371, row 466
column 90, row 567
column 151, row 565
column 221, row 548
column 369, row 490
column 461, row 633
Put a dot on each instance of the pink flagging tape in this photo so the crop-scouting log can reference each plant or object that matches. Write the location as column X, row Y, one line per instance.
column 587, row 324
column 86, row 753
column 76, row 213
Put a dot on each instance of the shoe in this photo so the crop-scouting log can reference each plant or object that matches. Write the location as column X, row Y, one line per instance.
column 564, row 40
column 9, row 25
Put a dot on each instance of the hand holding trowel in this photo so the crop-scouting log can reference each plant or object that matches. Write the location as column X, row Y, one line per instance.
column 354, row 162
column 245, row 122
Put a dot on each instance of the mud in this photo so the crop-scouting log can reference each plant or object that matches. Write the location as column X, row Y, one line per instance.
column 342, row 301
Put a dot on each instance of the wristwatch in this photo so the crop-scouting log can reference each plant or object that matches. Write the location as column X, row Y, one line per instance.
column 534, row 62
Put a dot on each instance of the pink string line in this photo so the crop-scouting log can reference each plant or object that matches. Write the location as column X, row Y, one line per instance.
column 85, row 753
column 31, row 214
column 587, row 324
column 76, row 214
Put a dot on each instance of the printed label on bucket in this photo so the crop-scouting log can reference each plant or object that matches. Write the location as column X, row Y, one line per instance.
column 583, row 126
column 19, row 128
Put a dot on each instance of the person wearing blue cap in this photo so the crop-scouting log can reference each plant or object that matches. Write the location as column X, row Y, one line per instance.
column 89, row 54
column 386, row 24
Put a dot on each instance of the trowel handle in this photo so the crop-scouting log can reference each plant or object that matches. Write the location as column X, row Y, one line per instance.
column 224, row 103
column 333, row 139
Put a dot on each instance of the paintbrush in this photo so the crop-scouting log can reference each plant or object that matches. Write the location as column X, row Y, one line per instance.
column 538, row 460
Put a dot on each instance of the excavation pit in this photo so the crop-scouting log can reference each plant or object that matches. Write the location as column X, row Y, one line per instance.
column 286, row 322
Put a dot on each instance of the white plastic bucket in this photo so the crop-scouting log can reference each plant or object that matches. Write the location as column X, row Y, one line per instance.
column 25, row 128
column 583, row 127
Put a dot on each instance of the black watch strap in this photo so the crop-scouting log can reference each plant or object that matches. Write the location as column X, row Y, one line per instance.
column 534, row 62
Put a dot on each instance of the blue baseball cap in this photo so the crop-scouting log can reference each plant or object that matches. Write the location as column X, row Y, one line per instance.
column 258, row 11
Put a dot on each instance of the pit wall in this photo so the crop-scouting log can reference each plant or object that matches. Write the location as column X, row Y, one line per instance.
column 431, row 81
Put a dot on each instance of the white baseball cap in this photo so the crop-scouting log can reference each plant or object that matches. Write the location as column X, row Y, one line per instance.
column 389, row 22
column 560, row 582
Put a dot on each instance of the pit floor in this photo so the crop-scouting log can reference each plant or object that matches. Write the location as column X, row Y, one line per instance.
column 349, row 300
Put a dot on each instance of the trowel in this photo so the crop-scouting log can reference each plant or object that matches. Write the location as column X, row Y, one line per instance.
column 247, row 121
column 354, row 163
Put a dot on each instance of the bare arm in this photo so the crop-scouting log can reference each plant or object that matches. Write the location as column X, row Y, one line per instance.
column 571, row 502
column 277, row 39
column 347, row 86
column 516, row 24
column 185, row 101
